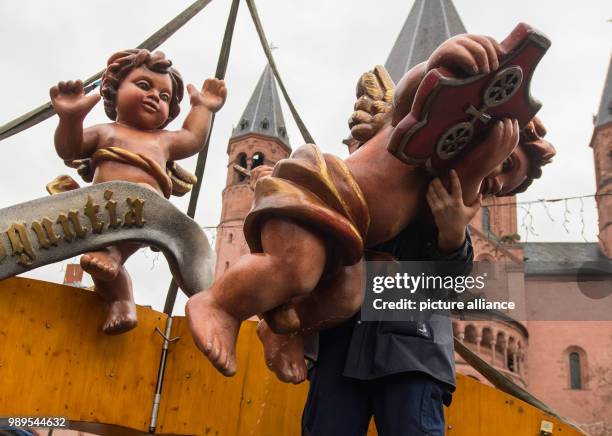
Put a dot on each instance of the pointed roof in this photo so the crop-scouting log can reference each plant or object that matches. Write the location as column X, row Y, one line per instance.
column 263, row 114
column 604, row 116
column 429, row 24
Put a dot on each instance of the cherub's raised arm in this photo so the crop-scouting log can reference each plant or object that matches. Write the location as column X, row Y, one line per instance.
column 72, row 105
column 192, row 137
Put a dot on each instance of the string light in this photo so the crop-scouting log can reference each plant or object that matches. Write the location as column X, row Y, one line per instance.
column 550, row 200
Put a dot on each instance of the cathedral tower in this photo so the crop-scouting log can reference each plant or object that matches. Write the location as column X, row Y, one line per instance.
column 602, row 154
column 260, row 138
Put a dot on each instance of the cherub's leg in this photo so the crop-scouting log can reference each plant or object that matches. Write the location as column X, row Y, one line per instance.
column 102, row 264
column 331, row 303
column 291, row 265
column 115, row 288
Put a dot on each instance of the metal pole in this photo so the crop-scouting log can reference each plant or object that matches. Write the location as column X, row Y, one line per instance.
column 266, row 47
column 201, row 164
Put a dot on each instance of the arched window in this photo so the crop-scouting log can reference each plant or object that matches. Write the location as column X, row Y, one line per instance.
column 511, row 350
column 575, row 370
column 258, row 159
column 486, row 219
column 242, row 161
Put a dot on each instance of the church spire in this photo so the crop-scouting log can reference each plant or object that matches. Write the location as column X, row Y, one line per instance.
column 263, row 114
column 604, row 116
column 429, row 24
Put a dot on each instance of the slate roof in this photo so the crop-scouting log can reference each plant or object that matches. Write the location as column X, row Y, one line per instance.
column 565, row 258
column 429, row 23
column 263, row 114
column 604, row 116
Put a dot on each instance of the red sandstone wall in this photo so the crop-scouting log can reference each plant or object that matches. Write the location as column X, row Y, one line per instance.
column 548, row 362
column 602, row 154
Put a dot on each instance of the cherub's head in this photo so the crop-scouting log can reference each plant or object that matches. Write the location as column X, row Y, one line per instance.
column 141, row 89
column 515, row 174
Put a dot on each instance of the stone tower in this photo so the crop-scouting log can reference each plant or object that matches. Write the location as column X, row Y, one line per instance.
column 429, row 24
column 260, row 138
column 601, row 143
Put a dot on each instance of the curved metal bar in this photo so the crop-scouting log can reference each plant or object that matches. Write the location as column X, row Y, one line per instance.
column 52, row 229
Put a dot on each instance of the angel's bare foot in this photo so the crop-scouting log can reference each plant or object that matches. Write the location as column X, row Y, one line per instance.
column 121, row 317
column 102, row 265
column 284, row 354
column 117, row 294
column 214, row 331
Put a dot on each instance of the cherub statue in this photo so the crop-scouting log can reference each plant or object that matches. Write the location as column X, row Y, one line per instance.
column 141, row 93
column 313, row 218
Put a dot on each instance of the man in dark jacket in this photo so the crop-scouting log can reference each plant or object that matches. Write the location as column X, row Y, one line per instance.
column 399, row 372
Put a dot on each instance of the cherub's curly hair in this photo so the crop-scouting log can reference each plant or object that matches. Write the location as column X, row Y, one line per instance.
column 539, row 152
column 120, row 64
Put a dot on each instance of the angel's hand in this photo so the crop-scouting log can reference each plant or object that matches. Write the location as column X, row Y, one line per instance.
column 212, row 96
column 374, row 104
column 259, row 172
column 70, row 102
column 470, row 54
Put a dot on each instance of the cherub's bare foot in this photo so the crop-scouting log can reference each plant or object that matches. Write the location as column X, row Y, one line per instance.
column 102, row 265
column 214, row 331
column 121, row 317
column 284, row 354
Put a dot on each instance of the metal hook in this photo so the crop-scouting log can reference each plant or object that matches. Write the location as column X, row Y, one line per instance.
column 166, row 337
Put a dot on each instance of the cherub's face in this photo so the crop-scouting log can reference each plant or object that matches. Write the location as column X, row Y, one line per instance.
column 508, row 175
column 143, row 99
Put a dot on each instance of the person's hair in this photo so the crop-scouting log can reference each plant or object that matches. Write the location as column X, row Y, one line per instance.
column 539, row 152
column 120, row 64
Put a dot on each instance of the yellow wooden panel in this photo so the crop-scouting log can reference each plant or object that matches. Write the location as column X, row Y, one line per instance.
column 198, row 400
column 55, row 360
column 478, row 409
column 269, row 407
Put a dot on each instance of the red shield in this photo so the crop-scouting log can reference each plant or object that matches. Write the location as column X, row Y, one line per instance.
column 451, row 113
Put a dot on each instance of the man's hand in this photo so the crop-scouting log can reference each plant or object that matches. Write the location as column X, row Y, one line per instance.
column 70, row 102
column 450, row 214
column 470, row 54
column 212, row 96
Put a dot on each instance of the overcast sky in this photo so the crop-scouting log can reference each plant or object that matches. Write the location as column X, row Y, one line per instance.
column 323, row 48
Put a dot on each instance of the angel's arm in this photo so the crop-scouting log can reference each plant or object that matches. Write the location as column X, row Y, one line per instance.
column 71, row 104
column 191, row 138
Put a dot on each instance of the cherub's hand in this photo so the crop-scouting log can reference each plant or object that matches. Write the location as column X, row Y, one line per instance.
column 374, row 104
column 259, row 172
column 70, row 102
column 450, row 213
column 470, row 54
column 212, row 96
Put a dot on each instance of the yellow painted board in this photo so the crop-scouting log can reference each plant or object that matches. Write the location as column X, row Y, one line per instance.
column 478, row 409
column 198, row 400
column 55, row 360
